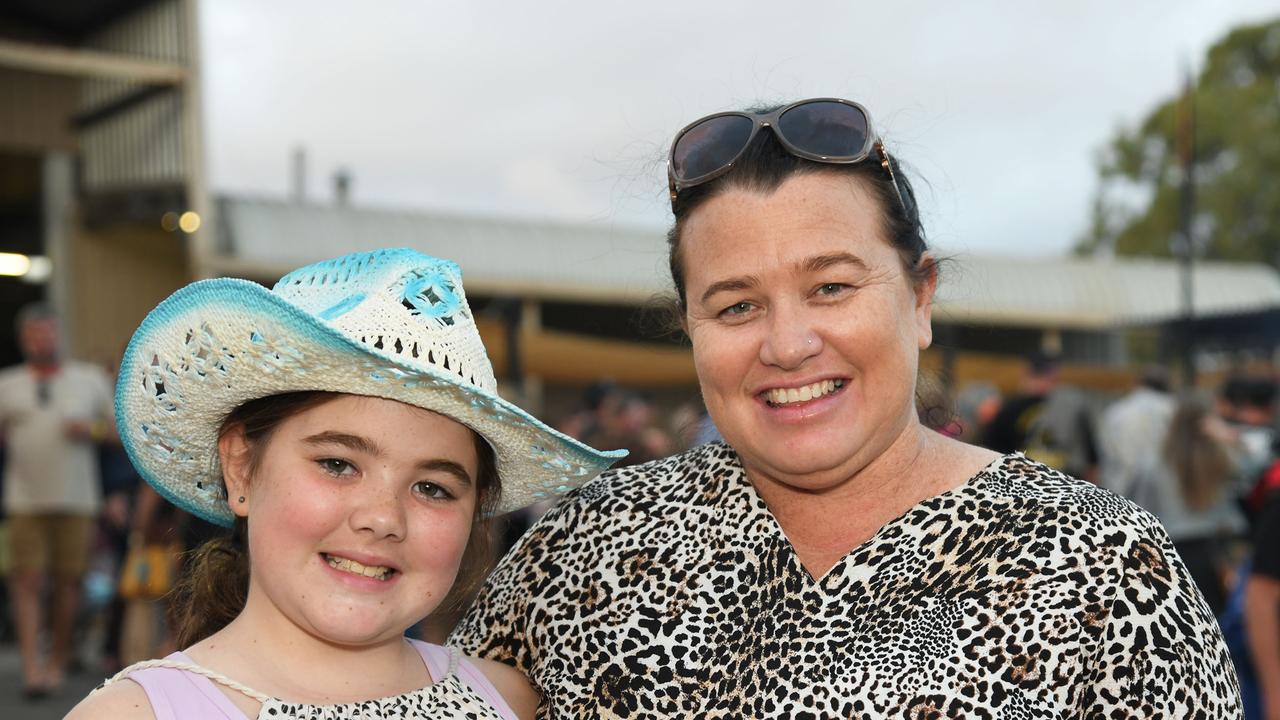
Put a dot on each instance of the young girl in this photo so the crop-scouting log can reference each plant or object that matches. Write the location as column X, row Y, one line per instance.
column 346, row 426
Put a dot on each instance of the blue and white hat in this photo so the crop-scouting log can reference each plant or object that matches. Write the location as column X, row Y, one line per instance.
column 390, row 323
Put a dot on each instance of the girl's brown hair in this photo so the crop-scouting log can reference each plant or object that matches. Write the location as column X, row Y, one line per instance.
column 213, row 587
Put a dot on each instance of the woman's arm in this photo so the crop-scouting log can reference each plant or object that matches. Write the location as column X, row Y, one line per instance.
column 1160, row 652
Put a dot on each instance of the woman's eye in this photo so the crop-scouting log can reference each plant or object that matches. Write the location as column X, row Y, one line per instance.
column 740, row 308
column 336, row 466
column 432, row 491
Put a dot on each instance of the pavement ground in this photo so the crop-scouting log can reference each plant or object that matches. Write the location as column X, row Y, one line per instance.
column 12, row 705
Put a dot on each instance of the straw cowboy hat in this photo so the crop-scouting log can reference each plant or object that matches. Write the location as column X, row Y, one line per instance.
column 390, row 323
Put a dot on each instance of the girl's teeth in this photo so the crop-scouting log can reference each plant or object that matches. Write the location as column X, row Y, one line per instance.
column 355, row 568
column 786, row 396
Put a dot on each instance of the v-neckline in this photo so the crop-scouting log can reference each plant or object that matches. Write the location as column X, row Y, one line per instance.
column 821, row 584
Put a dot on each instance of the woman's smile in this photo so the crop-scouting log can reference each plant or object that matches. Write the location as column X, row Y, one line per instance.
column 794, row 395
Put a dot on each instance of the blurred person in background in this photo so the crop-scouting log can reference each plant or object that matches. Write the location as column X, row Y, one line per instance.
column 1133, row 432
column 976, row 405
column 1048, row 421
column 833, row 557
column 1248, row 404
column 638, row 431
column 54, row 413
column 1189, row 488
column 600, row 402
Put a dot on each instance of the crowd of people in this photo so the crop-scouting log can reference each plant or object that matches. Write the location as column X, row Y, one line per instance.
column 807, row 542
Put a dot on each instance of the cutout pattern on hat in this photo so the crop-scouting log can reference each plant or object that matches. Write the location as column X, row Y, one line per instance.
column 392, row 324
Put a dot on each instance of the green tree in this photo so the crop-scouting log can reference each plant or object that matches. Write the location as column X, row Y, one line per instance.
column 1237, row 191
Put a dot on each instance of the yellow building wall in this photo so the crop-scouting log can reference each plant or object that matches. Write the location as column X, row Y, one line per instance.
column 35, row 111
column 117, row 275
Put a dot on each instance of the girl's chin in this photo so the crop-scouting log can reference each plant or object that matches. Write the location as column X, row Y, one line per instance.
column 353, row 633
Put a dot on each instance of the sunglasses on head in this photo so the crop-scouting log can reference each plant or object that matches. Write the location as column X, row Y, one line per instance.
column 825, row 130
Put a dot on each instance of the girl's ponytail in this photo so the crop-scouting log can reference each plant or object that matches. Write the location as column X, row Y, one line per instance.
column 212, row 589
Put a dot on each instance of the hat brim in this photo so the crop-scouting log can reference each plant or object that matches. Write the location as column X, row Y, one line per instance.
column 216, row 344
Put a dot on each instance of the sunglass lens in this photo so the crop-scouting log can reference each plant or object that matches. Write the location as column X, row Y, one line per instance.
column 709, row 146
column 829, row 129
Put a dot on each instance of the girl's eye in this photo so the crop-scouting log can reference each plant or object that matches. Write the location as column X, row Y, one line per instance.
column 740, row 308
column 336, row 466
column 432, row 491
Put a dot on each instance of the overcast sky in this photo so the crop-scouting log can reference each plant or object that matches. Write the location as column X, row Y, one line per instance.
column 563, row 110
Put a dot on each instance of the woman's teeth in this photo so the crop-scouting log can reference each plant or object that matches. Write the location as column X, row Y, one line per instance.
column 786, row 396
column 376, row 572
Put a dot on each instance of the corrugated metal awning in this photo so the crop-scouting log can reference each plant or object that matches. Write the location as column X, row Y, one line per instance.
column 606, row 263
column 593, row 263
column 1097, row 293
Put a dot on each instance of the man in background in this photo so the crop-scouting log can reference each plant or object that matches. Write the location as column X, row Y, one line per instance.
column 1048, row 421
column 1133, row 432
column 53, row 413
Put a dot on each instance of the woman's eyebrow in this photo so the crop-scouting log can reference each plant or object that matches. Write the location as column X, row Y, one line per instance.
column 745, row 282
column 822, row 262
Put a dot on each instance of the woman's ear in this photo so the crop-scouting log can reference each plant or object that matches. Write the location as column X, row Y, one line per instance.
column 236, row 458
column 924, row 290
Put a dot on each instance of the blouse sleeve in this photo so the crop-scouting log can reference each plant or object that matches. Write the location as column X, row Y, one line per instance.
column 1160, row 653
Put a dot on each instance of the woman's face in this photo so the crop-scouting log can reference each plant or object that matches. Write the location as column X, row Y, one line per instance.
column 359, row 513
column 806, row 329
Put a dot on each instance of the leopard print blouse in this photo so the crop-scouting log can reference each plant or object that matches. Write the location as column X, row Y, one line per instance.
column 669, row 590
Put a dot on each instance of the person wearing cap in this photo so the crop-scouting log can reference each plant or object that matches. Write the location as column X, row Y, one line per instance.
column 345, row 426
column 833, row 557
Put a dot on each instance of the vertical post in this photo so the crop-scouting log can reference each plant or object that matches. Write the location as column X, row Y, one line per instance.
column 200, row 249
column 1185, row 246
column 530, row 326
column 510, row 310
column 58, row 197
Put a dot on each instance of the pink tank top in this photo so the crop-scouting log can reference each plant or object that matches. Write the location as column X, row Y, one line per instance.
column 458, row 690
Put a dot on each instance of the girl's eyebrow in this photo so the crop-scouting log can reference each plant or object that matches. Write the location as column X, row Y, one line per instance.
column 352, row 442
column 367, row 446
column 448, row 466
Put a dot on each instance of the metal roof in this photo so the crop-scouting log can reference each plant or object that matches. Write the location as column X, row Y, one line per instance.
column 1097, row 293
column 614, row 264
column 549, row 260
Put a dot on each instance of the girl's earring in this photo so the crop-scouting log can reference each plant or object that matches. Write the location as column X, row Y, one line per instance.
column 240, row 499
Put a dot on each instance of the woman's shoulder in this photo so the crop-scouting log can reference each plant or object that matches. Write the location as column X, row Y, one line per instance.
column 677, row 480
column 125, row 700
column 1038, row 490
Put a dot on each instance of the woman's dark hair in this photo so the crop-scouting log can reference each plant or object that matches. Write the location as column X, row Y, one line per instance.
column 765, row 165
column 214, row 585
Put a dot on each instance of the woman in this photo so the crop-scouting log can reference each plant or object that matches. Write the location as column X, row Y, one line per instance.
column 1190, row 491
column 833, row 558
